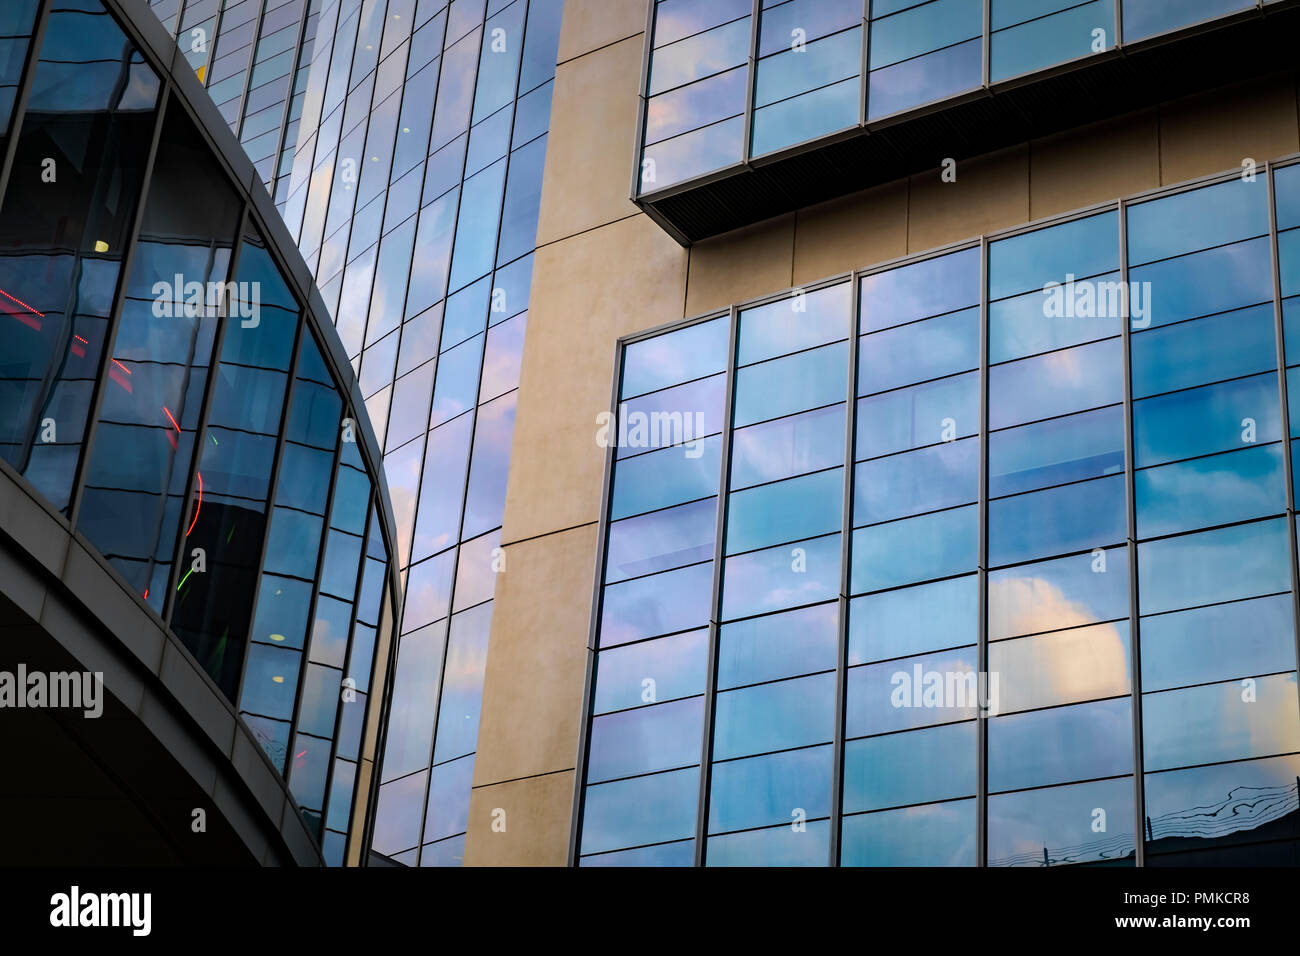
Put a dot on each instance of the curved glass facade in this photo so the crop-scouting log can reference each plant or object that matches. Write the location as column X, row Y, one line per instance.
column 733, row 80
column 986, row 557
column 414, row 198
column 171, row 393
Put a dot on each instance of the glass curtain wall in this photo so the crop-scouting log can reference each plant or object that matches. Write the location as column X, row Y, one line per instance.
column 1048, row 616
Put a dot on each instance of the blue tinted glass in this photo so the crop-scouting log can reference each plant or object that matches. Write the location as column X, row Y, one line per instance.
column 676, row 357
column 1053, row 39
column 1061, row 744
column 1208, row 419
column 1081, row 247
column 690, row 107
column 915, row 692
column 642, row 810
column 1286, row 192
column 925, row 480
column 1218, row 722
column 922, row 289
column 660, row 604
column 1220, row 489
column 779, row 645
column 665, row 477
column 645, row 739
column 1066, row 592
column 674, row 667
column 1057, row 316
column 1196, row 219
column 798, row 70
column 675, row 19
column 692, row 154
column 665, row 854
column 915, row 549
column 920, row 415
column 1144, row 18
column 1213, row 566
column 1059, row 825
column 1054, row 384
column 1056, row 451
column 777, row 846
column 813, row 18
column 938, row 834
column 793, row 384
column 701, row 55
column 919, row 351
column 806, row 116
column 1205, row 350
column 673, row 416
column 935, row 76
column 1201, row 283
column 1239, row 797
column 1069, row 518
column 771, row 789
column 913, row 620
column 923, row 28
column 786, row 447
column 788, row 713
column 937, row 763
column 784, row 511
column 798, row 322
column 1211, row 643
column 660, row 540
column 806, row 572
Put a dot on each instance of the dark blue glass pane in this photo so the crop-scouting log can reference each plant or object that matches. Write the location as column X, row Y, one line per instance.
column 665, row 854
column 1205, row 350
column 1201, row 283
column 819, row 63
column 1049, row 40
column 785, row 511
column 919, row 351
column 1209, row 419
column 1196, row 219
column 792, row 384
column 1144, row 18
column 645, row 739
column 1058, row 316
column 665, row 477
column 653, row 671
column 1056, row 451
column 1081, row 248
column 935, row 76
column 1286, row 192
column 777, row 846
column 926, row 288
column 920, row 415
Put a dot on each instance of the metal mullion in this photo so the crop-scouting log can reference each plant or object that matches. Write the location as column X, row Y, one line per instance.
column 338, row 707
column 19, row 111
column 311, row 610
column 593, row 627
column 986, row 55
column 305, row 6
column 846, row 555
column 273, row 481
column 1130, row 497
column 115, row 311
column 715, row 612
column 1119, row 24
column 982, row 565
column 473, row 428
column 643, row 102
column 1284, row 398
column 865, row 63
column 205, row 408
column 238, row 128
column 382, row 717
column 756, row 12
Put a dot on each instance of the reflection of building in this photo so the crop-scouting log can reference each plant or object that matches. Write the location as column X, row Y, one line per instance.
column 1030, row 273
column 191, row 504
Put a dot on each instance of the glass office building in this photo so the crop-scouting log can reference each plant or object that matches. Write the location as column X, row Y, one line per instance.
column 177, row 398
column 983, row 557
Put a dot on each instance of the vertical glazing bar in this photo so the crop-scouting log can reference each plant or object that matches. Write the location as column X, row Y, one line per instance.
column 752, row 80
column 1130, row 498
column 119, row 299
column 593, row 627
column 981, row 569
column 863, row 70
column 986, row 54
column 1284, row 398
column 19, row 110
column 715, row 612
column 846, row 556
column 647, row 48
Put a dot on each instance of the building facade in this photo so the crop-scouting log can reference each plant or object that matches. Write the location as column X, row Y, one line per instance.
column 194, row 504
column 902, row 470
